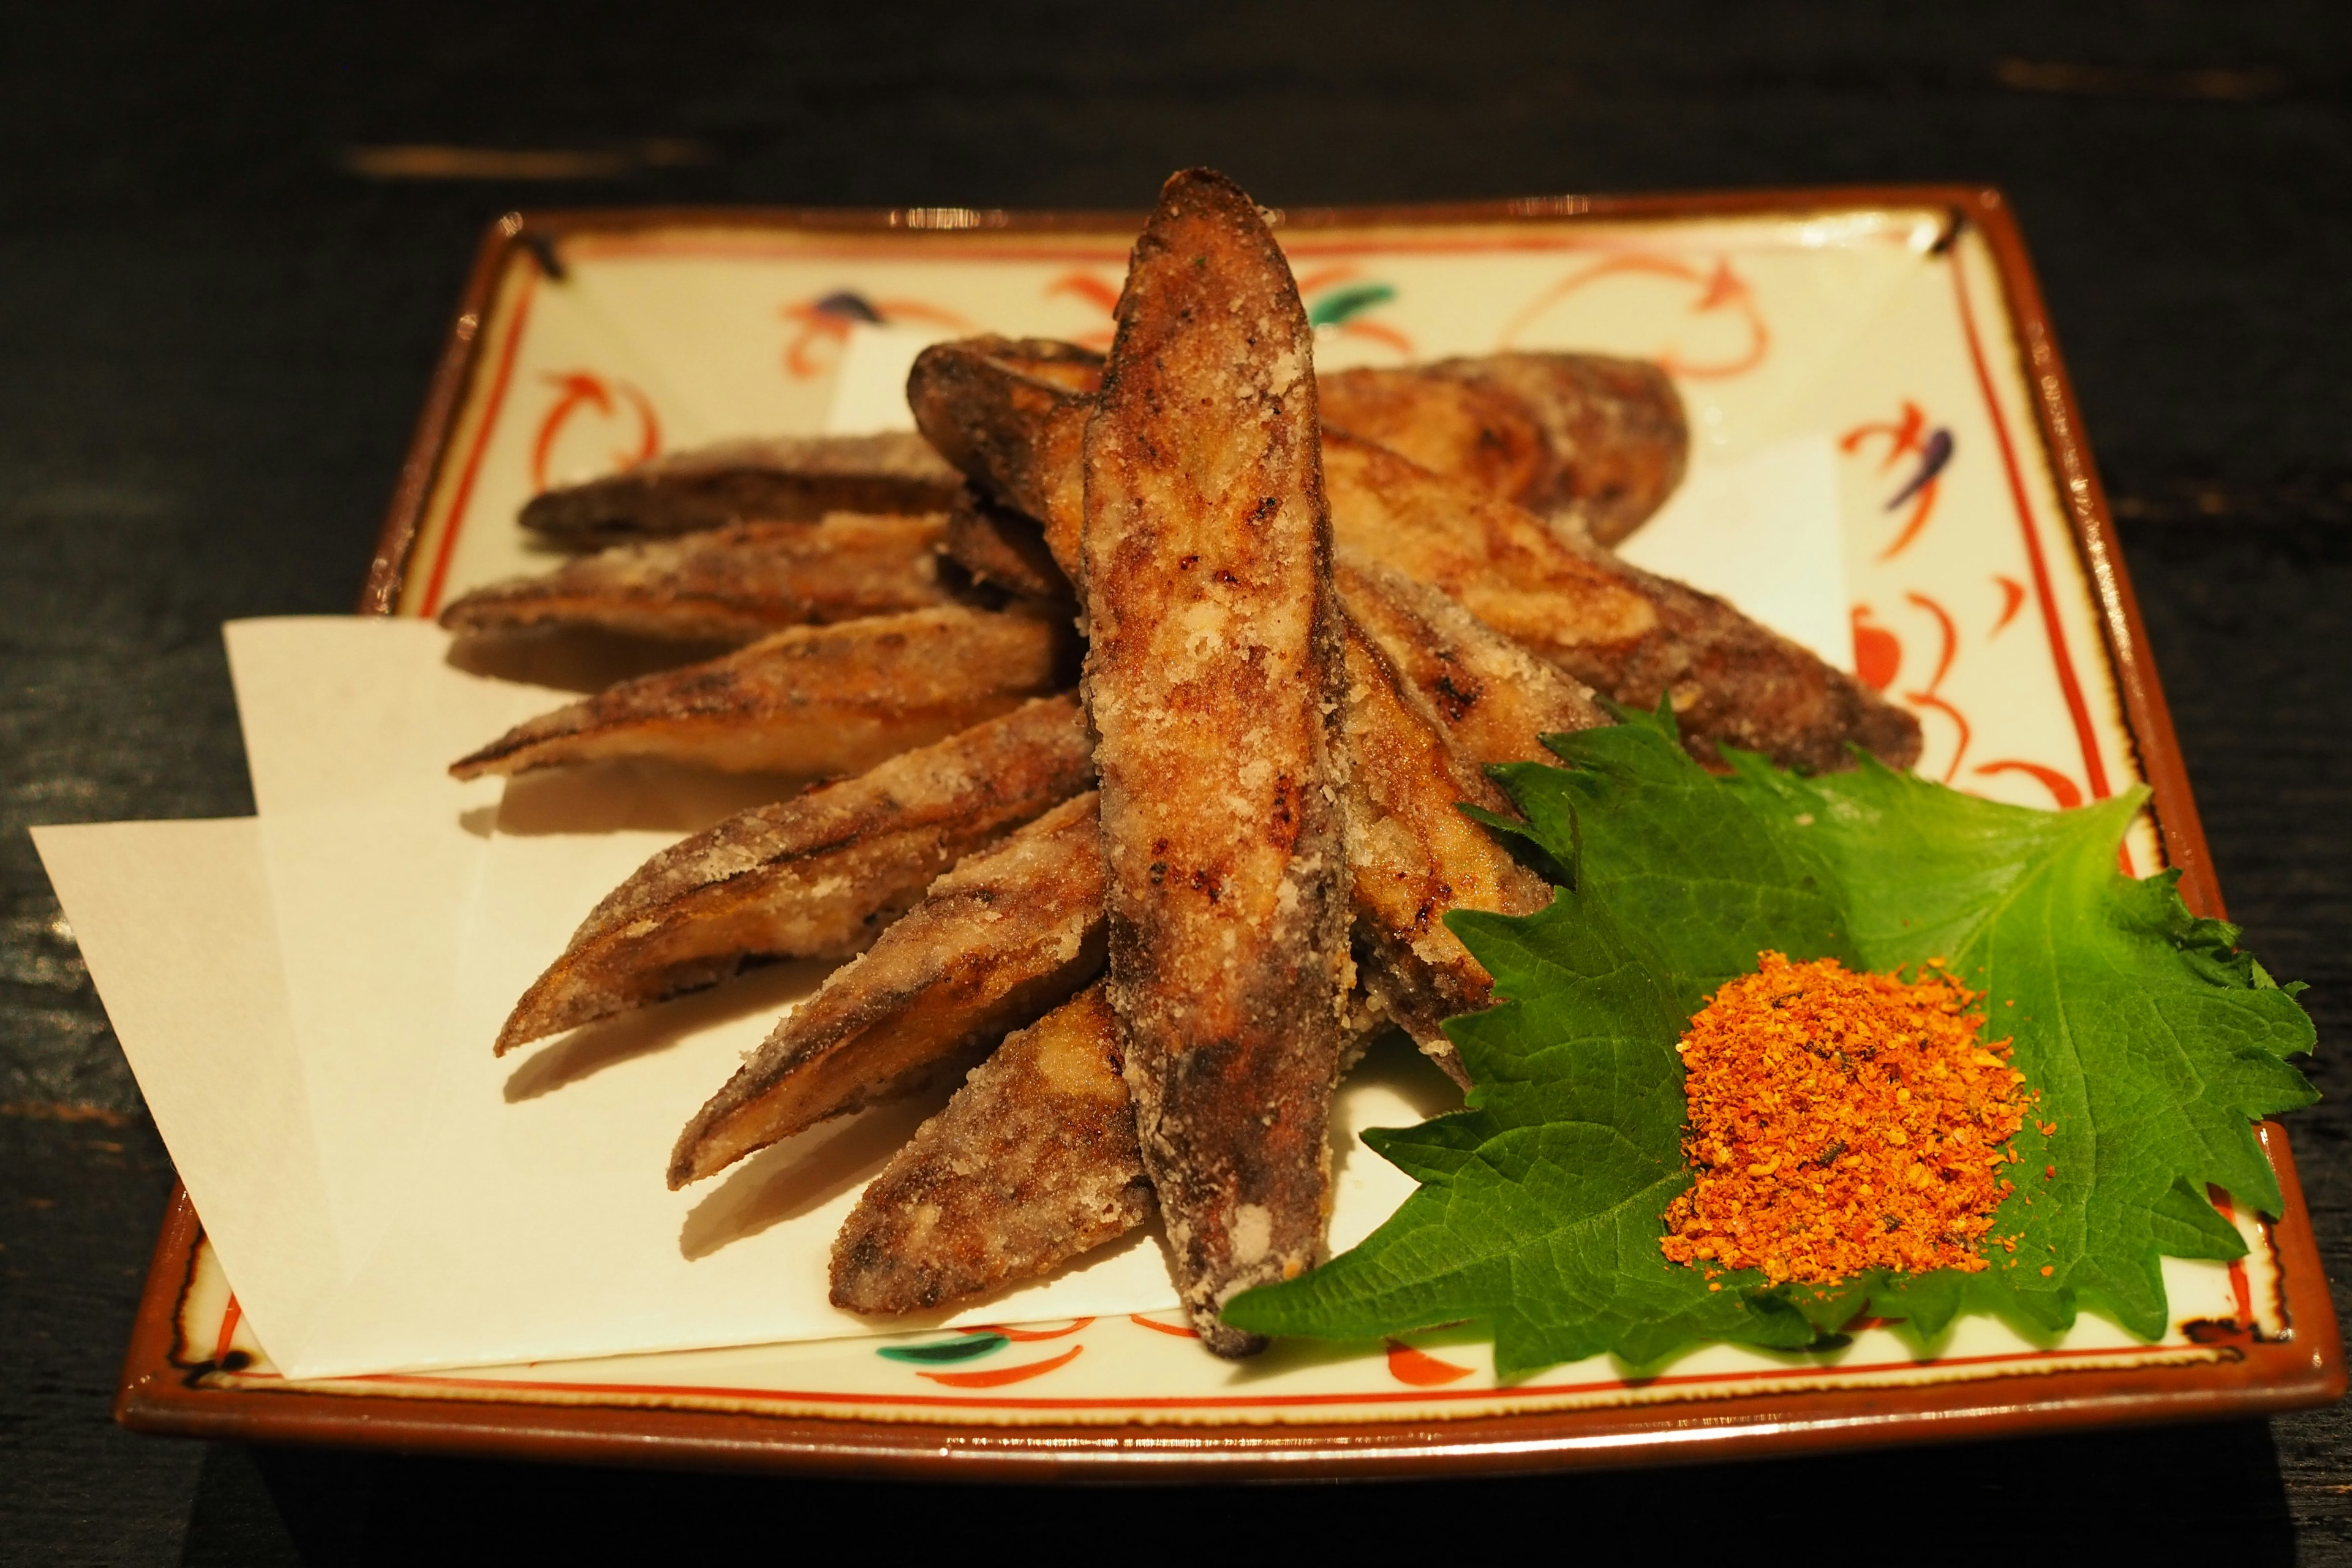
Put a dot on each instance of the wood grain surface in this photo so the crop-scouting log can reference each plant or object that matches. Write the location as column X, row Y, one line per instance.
column 222, row 285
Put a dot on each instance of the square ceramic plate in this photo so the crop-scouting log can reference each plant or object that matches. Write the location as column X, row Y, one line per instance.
column 1897, row 334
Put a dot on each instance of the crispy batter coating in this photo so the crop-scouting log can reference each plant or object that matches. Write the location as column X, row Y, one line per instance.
column 809, row 699
column 818, row 876
column 1634, row 636
column 1630, row 635
column 782, row 479
column 1597, row 442
column 1016, row 434
column 1492, row 698
column 1032, row 1163
column 732, row 584
column 998, row 546
column 1213, row 683
column 1009, row 932
column 1413, row 858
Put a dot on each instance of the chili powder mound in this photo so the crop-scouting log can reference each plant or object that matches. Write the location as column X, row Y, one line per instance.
column 1838, row 1123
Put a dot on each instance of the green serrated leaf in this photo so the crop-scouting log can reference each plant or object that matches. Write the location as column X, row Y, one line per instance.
column 2149, row 1037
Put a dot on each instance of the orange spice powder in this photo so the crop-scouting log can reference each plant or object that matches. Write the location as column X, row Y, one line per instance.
column 1841, row 1122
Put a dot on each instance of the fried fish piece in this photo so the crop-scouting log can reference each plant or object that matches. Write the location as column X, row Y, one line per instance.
column 1493, row 699
column 1214, row 678
column 1632, row 637
column 1596, row 441
column 1009, row 932
column 999, row 546
column 1635, row 637
column 1033, row 1163
column 781, row 478
column 1599, row 441
column 818, row 876
column 809, row 699
column 731, row 584
column 1016, row 434
column 1413, row 858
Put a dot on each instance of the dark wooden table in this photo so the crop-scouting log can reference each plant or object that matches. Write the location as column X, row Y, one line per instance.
column 222, row 281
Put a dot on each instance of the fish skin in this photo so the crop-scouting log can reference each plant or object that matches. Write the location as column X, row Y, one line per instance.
column 1212, row 682
column 782, row 479
column 732, row 584
column 807, row 699
column 1033, row 1163
column 1009, row 932
column 818, row 876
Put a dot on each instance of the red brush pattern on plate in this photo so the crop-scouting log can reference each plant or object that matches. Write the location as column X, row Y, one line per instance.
column 1177, row 1330
column 824, row 322
column 1717, row 289
column 1027, row 1335
column 1907, row 435
column 1420, row 1369
column 998, row 1377
column 584, row 392
column 2012, row 599
column 1928, row 696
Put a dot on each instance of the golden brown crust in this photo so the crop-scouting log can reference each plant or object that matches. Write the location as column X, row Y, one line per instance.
column 1630, row 635
column 999, row 546
column 1493, row 699
column 1625, row 633
column 732, row 584
column 809, row 699
column 1212, row 680
column 1032, row 1163
column 1612, row 431
column 818, row 876
column 1447, row 425
column 1414, row 858
column 780, row 478
column 1009, row 932
column 1016, row 434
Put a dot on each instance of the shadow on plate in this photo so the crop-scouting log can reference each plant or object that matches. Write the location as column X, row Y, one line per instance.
column 573, row 659
column 805, row 1173
column 587, row 1050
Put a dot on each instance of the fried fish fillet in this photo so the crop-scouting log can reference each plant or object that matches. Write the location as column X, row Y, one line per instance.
column 1596, row 441
column 1623, row 632
column 1032, row 1163
column 782, row 479
column 1016, row 434
column 809, row 699
column 731, row 584
column 817, row 875
column 1214, row 678
column 1009, row 932
column 1632, row 637
column 1599, row 441
column 999, row 546
column 1413, row 858
column 1492, row 698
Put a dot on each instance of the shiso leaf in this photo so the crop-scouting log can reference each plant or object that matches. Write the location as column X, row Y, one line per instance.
column 2149, row 1037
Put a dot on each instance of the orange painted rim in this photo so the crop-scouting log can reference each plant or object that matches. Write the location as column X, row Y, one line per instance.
column 164, row 1386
